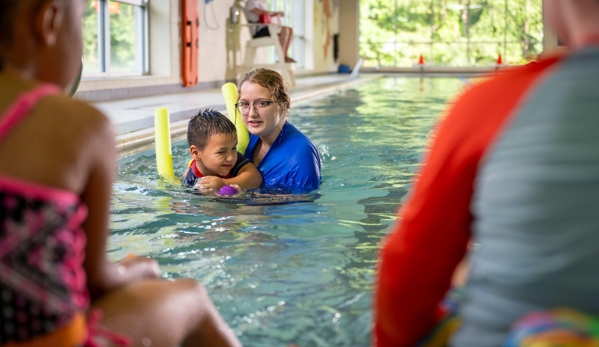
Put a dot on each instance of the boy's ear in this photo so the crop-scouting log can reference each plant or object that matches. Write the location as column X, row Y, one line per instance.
column 48, row 20
column 195, row 152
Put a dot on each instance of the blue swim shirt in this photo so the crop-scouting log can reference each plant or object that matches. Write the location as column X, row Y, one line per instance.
column 292, row 162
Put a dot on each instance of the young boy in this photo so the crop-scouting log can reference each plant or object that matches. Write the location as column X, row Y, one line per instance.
column 212, row 139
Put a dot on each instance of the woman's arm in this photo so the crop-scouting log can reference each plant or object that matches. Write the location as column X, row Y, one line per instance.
column 257, row 10
column 102, row 275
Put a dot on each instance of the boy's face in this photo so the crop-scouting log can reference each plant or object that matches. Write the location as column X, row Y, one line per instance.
column 218, row 157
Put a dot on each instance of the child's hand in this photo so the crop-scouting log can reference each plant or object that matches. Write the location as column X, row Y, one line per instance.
column 239, row 189
column 210, row 184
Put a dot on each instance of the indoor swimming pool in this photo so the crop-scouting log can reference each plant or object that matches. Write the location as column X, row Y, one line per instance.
column 297, row 273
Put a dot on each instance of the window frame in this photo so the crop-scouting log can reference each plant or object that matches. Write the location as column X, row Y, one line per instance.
column 297, row 48
column 141, row 42
column 427, row 47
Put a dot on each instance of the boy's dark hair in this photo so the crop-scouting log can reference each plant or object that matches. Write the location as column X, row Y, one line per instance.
column 205, row 124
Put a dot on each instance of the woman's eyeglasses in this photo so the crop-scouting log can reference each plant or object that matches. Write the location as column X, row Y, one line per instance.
column 244, row 107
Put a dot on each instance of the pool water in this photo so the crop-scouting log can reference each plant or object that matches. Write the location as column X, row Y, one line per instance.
column 292, row 273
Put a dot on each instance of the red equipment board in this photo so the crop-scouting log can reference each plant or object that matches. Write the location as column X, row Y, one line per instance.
column 191, row 43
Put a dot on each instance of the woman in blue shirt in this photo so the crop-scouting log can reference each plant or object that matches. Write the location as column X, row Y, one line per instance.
column 285, row 157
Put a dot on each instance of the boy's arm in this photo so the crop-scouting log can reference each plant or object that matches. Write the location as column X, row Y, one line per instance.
column 244, row 174
column 247, row 177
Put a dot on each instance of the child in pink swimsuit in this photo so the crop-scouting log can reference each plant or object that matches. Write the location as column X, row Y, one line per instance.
column 57, row 162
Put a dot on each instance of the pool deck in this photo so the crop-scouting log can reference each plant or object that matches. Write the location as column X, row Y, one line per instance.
column 133, row 119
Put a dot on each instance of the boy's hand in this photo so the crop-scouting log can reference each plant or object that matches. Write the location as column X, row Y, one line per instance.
column 239, row 189
column 210, row 184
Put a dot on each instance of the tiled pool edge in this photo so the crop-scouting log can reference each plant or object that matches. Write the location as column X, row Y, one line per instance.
column 133, row 142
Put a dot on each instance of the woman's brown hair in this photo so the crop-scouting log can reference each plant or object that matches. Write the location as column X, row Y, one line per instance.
column 271, row 80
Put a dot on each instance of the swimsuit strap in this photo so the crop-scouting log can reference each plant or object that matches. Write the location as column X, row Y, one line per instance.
column 95, row 330
column 23, row 105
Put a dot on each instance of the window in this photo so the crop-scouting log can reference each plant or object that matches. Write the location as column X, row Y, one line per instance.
column 294, row 18
column 115, row 38
column 450, row 32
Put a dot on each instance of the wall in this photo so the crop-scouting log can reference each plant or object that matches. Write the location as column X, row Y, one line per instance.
column 326, row 24
column 349, row 32
column 221, row 49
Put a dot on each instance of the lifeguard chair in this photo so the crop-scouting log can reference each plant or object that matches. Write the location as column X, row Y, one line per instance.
column 285, row 69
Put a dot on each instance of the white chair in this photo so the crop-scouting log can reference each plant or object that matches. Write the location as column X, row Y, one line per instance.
column 285, row 69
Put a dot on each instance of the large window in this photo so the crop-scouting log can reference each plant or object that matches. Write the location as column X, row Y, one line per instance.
column 294, row 18
column 449, row 32
column 115, row 38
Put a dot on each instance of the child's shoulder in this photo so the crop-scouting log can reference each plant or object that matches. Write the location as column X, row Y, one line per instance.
column 60, row 110
column 68, row 107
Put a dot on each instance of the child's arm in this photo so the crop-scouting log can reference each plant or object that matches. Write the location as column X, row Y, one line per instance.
column 102, row 275
column 248, row 177
column 245, row 175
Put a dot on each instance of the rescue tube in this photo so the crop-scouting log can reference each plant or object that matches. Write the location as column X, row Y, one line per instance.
column 191, row 44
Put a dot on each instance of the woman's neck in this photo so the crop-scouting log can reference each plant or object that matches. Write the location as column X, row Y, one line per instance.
column 269, row 139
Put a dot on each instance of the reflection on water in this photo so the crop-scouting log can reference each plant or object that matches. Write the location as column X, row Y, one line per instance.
column 292, row 273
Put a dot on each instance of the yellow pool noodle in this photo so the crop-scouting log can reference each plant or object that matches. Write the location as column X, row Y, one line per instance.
column 164, row 156
column 230, row 96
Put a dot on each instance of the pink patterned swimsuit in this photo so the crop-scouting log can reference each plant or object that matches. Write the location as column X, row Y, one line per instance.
column 42, row 280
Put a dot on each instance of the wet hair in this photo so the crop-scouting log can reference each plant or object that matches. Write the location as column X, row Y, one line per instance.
column 271, row 80
column 206, row 124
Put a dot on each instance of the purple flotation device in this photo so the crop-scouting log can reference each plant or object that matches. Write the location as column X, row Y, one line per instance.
column 227, row 190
